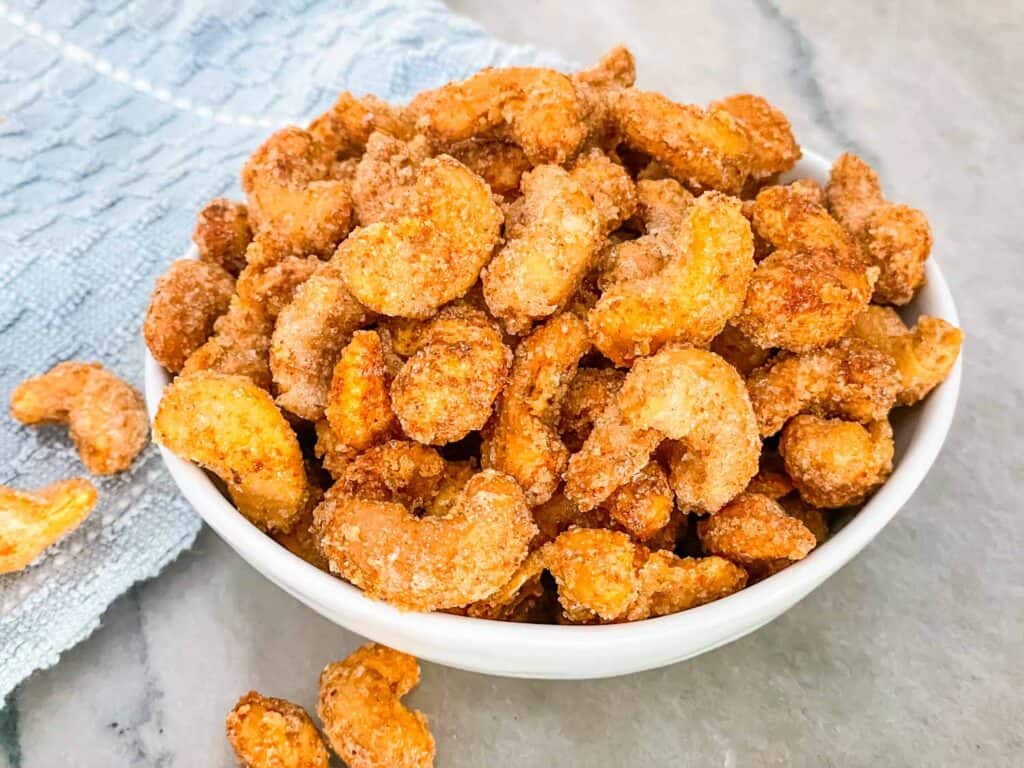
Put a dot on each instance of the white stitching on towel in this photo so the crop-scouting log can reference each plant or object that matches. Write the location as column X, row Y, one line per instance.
column 121, row 75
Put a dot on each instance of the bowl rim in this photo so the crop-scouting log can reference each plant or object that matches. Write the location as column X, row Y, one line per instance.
column 783, row 589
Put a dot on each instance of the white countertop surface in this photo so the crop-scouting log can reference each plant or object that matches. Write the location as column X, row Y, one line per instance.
column 911, row 655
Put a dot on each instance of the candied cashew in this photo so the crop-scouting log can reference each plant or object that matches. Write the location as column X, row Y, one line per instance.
column 230, row 426
column 266, row 732
column 359, row 406
column 850, row 379
column 363, row 717
column 106, row 417
column 836, row 463
column 447, row 388
column 807, row 292
column 548, row 253
column 308, row 337
column 524, row 441
column 433, row 562
column 186, row 302
column 691, row 297
column 30, row 521
column 222, row 234
column 924, row 354
column 895, row 238
column 752, row 529
column 411, row 265
column 538, row 109
column 291, row 193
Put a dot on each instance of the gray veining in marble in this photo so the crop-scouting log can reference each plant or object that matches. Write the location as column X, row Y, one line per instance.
column 909, row 656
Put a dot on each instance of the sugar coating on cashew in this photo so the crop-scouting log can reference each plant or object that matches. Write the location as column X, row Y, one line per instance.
column 30, row 521
column 106, row 417
column 231, row 427
column 604, row 576
column 362, row 713
column 895, row 238
column 773, row 150
column 754, row 529
column 292, row 192
column 222, row 233
column 835, row 463
column 346, row 127
column 186, row 301
column 308, row 337
column 240, row 344
column 538, row 109
column 701, row 149
column 691, row 297
column 447, row 388
column 411, row 265
column 266, row 732
column 549, row 250
column 849, row 379
column 700, row 403
column 690, row 397
column 807, row 292
column 432, row 562
column 524, row 441
column 924, row 354
column 359, row 403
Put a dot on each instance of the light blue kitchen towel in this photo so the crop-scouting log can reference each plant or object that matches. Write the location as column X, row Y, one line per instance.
column 118, row 120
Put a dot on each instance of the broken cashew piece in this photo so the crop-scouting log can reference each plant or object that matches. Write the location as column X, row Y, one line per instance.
column 30, row 521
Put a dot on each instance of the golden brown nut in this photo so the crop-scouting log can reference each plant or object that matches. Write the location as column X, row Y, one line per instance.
column 290, row 192
column 850, row 379
column 359, row 405
column 240, row 344
column 106, row 417
column 384, row 187
column 662, row 206
column 773, row 150
column 519, row 598
column 699, row 402
column 186, row 301
column 697, row 290
column 608, row 184
column 410, row 266
column 685, row 395
column 363, row 717
column 309, row 335
column 753, row 529
column 334, row 456
column 231, row 427
column 30, row 521
column 447, row 388
column 924, row 355
column 836, row 463
column 538, row 109
column 400, row 471
column 895, row 238
column 547, row 254
column 274, row 733
column 222, row 234
column 432, row 562
column 346, row 127
column 701, row 149
column 808, row 291
column 524, row 441
column 603, row 575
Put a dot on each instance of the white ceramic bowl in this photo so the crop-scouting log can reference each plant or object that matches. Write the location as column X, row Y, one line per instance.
column 543, row 651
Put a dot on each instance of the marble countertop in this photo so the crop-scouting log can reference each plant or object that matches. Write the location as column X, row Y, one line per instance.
column 909, row 656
